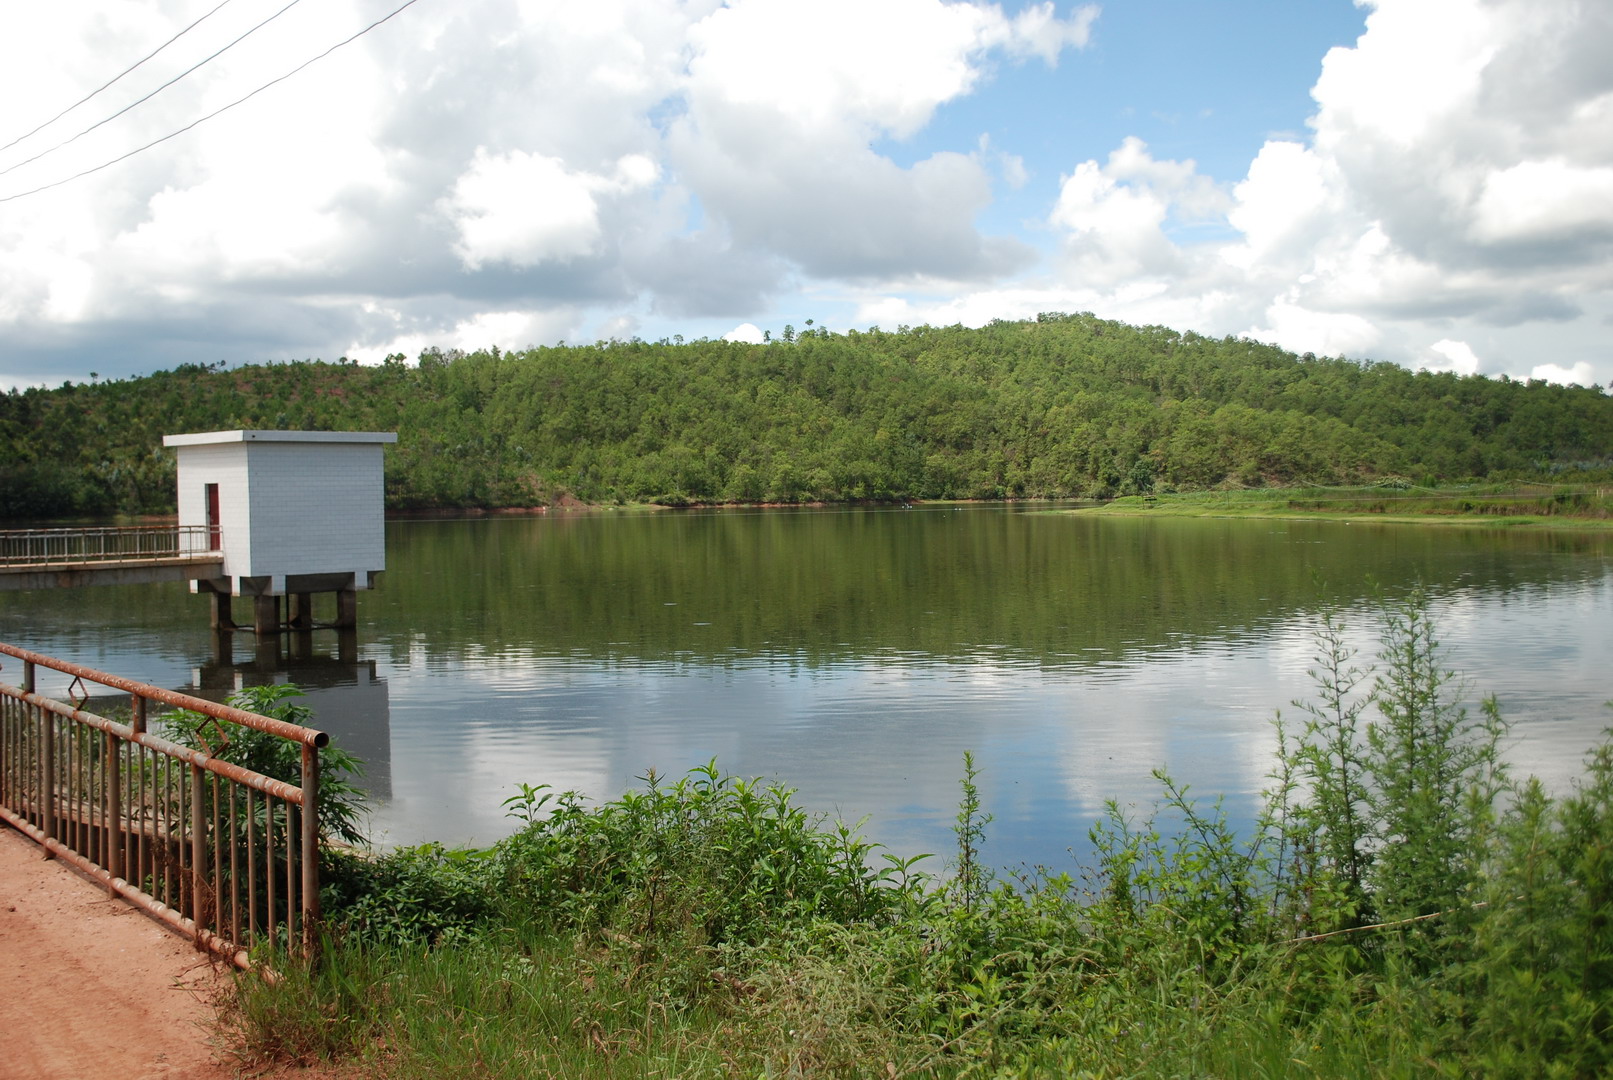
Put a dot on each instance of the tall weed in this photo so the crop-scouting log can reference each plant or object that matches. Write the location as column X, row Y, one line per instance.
column 1391, row 812
column 1540, row 983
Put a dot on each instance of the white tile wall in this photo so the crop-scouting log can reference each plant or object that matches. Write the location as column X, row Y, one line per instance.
column 288, row 507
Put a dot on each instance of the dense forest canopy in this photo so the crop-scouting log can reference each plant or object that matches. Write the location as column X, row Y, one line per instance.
column 1067, row 405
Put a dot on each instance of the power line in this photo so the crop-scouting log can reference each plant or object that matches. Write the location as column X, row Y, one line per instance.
column 223, row 108
column 114, row 79
column 154, row 93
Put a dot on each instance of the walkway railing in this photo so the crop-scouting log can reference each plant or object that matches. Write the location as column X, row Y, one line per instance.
column 225, row 855
column 133, row 543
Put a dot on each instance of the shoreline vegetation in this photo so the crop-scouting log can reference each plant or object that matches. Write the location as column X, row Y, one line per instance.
column 1403, row 906
column 1066, row 406
column 1484, row 506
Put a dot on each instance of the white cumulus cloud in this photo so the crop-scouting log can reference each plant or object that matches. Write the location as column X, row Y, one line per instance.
column 1580, row 373
column 786, row 97
column 524, row 209
column 1455, row 356
column 1453, row 200
column 748, row 333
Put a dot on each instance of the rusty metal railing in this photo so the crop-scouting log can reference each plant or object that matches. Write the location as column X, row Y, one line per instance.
column 225, row 855
column 132, row 543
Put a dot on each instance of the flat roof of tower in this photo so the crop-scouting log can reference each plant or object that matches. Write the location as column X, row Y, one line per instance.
column 203, row 438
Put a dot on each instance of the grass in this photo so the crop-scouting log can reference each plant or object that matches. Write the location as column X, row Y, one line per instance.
column 511, row 1004
column 1403, row 908
column 1488, row 505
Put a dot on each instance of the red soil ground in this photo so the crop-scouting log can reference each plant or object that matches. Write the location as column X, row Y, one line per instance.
column 90, row 987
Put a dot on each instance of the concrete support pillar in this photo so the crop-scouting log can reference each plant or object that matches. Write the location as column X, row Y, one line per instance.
column 346, row 608
column 300, row 611
column 266, row 614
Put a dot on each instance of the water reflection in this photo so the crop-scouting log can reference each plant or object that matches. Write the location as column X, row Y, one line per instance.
column 857, row 654
column 347, row 695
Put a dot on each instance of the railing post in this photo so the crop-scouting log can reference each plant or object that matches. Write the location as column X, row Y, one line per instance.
column 114, row 814
column 310, row 850
column 46, row 764
column 23, row 770
column 7, row 713
column 137, row 841
column 47, row 784
column 198, row 850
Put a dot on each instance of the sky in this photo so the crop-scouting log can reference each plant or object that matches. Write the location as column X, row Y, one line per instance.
column 1427, row 182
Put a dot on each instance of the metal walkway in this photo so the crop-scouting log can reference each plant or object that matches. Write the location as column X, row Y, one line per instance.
column 111, row 555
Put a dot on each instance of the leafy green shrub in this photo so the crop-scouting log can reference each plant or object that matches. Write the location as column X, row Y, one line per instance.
column 427, row 894
column 707, row 859
column 340, row 803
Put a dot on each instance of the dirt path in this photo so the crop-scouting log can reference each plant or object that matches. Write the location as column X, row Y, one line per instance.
column 90, row 987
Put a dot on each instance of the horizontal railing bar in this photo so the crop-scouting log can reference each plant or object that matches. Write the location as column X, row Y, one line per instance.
column 101, row 530
column 230, row 771
column 293, row 732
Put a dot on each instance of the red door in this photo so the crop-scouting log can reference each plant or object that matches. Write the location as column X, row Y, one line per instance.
column 213, row 541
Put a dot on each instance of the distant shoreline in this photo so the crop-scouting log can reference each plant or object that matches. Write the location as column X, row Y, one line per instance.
column 1488, row 506
column 1492, row 508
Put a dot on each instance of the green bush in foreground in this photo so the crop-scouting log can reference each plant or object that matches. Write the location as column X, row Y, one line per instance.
column 1400, row 909
column 706, row 860
column 341, row 802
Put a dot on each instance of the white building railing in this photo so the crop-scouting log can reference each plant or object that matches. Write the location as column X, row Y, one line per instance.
column 104, row 544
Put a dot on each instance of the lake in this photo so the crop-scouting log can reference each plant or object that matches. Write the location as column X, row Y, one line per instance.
column 856, row 654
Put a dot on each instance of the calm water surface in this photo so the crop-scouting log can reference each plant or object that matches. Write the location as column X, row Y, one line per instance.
column 856, row 654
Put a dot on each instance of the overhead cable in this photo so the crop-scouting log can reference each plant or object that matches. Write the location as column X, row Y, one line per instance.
column 154, row 93
column 112, row 80
column 223, row 108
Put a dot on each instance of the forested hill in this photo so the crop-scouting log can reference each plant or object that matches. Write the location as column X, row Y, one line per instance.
column 1063, row 406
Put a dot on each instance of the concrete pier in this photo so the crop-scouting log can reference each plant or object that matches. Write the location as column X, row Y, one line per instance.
column 123, row 572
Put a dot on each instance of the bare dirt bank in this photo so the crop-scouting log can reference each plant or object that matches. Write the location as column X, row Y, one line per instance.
column 90, row 986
